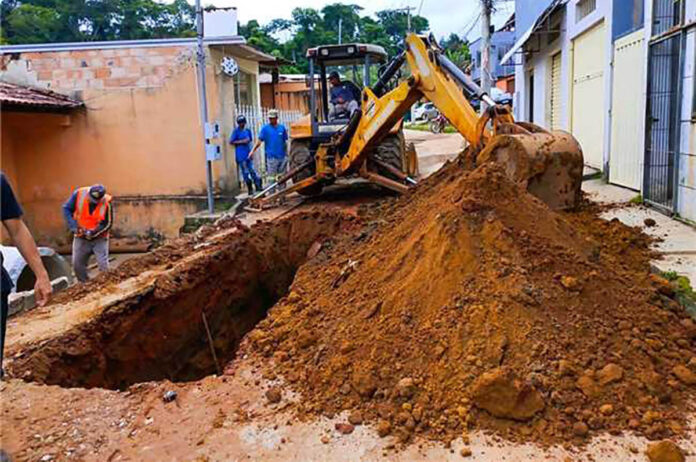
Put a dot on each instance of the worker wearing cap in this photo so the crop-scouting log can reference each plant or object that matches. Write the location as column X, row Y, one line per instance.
column 89, row 215
column 344, row 96
column 274, row 136
column 241, row 140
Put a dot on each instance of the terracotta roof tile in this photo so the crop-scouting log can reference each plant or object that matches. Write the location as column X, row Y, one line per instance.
column 17, row 95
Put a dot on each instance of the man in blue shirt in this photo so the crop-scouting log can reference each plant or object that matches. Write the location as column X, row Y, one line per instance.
column 274, row 136
column 241, row 140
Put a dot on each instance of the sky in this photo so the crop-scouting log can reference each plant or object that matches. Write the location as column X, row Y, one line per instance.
column 445, row 16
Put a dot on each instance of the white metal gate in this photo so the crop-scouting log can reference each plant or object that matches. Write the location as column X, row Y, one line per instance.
column 587, row 115
column 627, row 116
column 555, row 121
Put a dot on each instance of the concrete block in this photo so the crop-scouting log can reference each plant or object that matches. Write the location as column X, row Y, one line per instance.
column 102, row 73
column 80, row 84
column 142, row 82
column 154, row 81
column 44, row 75
column 96, row 62
column 158, row 60
column 59, row 74
column 65, row 84
column 68, row 63
column 107, row 53
column 24, row 301
column 118, row 72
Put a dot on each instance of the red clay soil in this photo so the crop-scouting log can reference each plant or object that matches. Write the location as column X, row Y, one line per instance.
column 469, row 304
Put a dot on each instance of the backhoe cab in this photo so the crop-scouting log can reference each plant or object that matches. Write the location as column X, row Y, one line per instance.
column 357, row 65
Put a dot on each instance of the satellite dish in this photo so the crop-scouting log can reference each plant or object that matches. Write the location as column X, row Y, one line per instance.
column 230, row 66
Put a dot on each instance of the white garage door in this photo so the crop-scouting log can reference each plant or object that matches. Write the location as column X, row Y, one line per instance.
column 587, row 115
column 556, row 91
column 627, row 117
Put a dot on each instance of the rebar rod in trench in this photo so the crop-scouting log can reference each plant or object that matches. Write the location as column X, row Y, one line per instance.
column 210, row 342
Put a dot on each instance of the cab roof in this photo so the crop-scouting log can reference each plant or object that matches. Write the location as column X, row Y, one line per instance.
column 348, row 53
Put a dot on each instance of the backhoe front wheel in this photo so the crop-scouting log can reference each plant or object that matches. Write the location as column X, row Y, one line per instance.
column 300, row 154
column 390, row 151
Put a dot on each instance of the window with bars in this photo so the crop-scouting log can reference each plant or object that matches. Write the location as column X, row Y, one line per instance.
column 583, row 8
column 666, row 15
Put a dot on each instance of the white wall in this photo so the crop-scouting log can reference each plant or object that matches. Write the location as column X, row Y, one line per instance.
column 540, row 63
column 686, row 189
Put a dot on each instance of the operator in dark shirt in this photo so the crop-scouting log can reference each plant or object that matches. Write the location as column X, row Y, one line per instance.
column 345, row 96
column 11, row 217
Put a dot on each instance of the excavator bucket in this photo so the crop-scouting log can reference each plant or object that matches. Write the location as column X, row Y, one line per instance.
column 548, row 164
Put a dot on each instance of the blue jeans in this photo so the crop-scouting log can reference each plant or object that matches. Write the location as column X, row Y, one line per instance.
column 248, row 172
column 275, row 168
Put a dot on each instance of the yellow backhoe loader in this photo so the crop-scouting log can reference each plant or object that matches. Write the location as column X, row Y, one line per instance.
column 369, row 143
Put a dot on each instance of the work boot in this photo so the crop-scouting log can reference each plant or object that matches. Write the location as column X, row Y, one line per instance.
column 250, row 187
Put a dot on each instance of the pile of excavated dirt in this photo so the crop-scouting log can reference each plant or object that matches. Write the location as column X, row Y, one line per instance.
column 469, row 304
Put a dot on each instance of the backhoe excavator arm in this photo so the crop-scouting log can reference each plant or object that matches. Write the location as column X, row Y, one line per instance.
column 432, row 76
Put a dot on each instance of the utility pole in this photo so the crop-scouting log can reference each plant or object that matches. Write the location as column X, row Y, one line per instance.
column 340, row 24
column 407, row 9
column 486, row 10
column 203, row 104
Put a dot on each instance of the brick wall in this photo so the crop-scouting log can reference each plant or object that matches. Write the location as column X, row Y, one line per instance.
column 109, row 69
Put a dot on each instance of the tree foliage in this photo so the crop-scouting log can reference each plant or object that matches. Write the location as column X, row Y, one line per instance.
column 457, row 50
column 36, row 21
column 309, row 27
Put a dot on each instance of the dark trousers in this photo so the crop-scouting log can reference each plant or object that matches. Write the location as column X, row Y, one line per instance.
column 3, row 327
column 249, row 173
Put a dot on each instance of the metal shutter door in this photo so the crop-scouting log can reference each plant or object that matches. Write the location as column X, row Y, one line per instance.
column 555, row 121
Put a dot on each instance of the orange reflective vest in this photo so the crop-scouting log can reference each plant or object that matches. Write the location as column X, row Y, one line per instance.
column 86, row 220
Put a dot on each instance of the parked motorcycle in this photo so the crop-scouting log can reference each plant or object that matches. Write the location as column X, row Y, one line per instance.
column 438, row 124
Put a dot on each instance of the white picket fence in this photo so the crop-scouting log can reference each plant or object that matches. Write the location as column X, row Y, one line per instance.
column 256, row 118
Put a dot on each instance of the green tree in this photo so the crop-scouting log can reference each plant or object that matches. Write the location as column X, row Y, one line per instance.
column 457, row 50
column 349, row 17
column 395, row 24
column 34, row 24
column 32, row 21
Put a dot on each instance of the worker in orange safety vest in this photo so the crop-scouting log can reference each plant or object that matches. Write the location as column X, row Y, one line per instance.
column 89, row 215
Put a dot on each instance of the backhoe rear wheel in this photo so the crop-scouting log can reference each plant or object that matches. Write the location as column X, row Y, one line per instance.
column 390, row 151
column 300, row 154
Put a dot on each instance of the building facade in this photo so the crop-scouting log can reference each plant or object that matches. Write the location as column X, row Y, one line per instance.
column 619, row 76
column 501, row 75
column 139, row 132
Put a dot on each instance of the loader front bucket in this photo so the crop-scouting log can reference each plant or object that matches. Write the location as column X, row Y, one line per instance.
column 548, row 164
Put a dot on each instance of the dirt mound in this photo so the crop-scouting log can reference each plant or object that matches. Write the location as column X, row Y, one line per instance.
column 470, row 304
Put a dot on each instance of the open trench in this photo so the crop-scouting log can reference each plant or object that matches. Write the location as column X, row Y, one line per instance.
column 160, row 333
